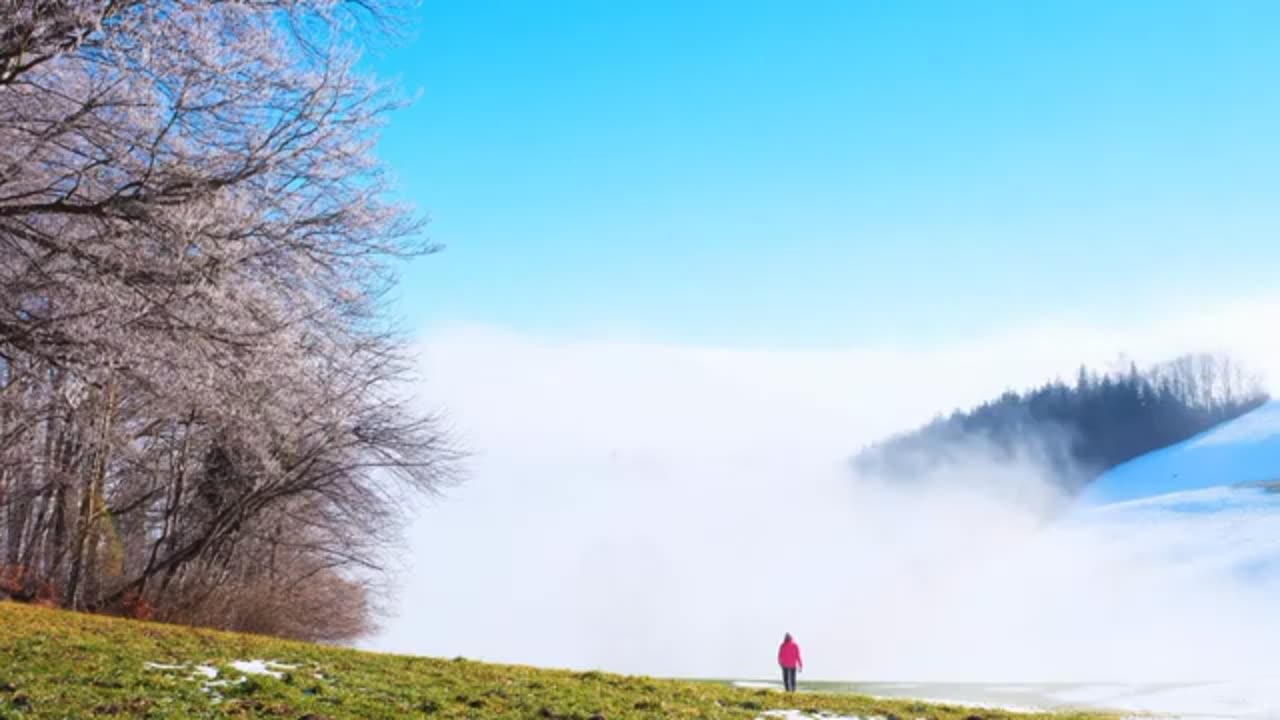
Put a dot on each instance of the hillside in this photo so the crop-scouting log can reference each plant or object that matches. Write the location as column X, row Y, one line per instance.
column 1081, row 430
column 57, row 664
column 1243, row 451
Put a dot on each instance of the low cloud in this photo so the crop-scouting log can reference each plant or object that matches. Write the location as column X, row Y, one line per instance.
column 673, row 510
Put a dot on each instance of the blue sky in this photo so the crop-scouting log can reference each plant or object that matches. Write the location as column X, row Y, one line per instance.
column 815, row 174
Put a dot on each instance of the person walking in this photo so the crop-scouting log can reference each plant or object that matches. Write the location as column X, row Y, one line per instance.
column 789, row 659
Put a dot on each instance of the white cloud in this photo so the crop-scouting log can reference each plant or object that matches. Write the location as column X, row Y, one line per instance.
column 673, row 510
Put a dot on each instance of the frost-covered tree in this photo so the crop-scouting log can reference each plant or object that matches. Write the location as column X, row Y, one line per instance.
column 197, row 389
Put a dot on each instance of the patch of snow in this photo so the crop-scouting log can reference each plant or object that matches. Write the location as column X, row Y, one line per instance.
column 799, row 715
column 261, row 667
column 942, row 700
column 209, row 674
column 198, row 671
column 212, row 686
column 1259, row 697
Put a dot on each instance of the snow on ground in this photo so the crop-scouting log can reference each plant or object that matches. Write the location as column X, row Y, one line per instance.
column 943, row 700
column 1252, row 698
column 1245, row 699
column 1253, row 427
column 262, row 667
column 1244, row 450
column 798, row 715
column 211, row 682
column 245, row 667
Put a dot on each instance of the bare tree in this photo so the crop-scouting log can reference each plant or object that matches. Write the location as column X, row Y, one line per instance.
column 1212, row 381
column 194, row 244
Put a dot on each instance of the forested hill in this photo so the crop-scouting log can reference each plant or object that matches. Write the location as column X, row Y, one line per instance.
column 1084, row 428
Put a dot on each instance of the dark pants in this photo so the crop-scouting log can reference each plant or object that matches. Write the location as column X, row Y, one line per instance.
column 789, row 679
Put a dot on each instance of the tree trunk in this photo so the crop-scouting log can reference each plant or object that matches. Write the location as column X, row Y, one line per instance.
column 84, row 561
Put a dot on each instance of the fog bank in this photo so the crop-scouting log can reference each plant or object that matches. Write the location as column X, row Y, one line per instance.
column 672, row 511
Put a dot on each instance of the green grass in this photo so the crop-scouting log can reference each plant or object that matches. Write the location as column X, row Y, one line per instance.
column 56, row 664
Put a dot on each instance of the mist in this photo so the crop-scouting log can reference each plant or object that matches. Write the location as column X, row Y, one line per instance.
column 668, row 510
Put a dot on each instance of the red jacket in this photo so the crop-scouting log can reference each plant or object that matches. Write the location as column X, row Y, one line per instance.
column 789, row 655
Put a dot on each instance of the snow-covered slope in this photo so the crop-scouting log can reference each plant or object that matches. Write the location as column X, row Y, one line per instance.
column 1243, row 451
column 1197, row 525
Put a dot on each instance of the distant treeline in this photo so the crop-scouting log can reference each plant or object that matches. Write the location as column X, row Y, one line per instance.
column 1081, row 429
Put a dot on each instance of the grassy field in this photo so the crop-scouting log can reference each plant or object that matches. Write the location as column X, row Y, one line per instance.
column 55, row 664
